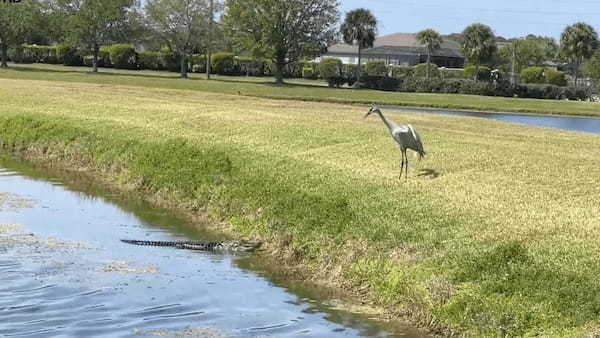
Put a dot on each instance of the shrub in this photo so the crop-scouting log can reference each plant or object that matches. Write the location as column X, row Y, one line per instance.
column 198, row 62
column 501, row 88
column 452, row 73
column 223, row 63
column 379, row 82
column 104, row 57
column 421, row 70
column 250, row 66
column 34, row 53
column 17, row 55
column 555, row 78
column 483, row 73
column 330, row 67
column 376, row 68
column 349, row 70
column 169, row 60
column 532, row 75
column 149, row 60
column 308, row 73
column 123, row 56
column 336, row 81
column 401, row 72
column 295, row 69
column 68, row 55
column 88, row 60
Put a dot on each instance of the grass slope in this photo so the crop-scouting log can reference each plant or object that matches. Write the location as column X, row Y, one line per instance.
column 298, row 89
column 497, row 238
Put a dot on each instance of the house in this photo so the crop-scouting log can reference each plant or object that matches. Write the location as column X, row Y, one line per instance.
column 399, row 49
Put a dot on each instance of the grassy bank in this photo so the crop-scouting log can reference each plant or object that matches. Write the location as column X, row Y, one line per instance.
column 298, row 89
column 497, row 237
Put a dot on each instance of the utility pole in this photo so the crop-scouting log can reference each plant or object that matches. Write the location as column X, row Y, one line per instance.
column 210, row 36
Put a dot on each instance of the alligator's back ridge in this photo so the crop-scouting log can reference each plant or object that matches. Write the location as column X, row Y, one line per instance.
column 235, row 246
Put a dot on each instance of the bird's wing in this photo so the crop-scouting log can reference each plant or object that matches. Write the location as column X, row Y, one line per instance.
column 418, row 146
column 408, row 137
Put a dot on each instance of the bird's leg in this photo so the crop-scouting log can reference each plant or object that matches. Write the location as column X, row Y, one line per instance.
column 406, row 159
column 406, row 176
column 401, row 164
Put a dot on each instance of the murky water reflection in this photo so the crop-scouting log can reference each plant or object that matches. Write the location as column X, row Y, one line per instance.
column 85, row 282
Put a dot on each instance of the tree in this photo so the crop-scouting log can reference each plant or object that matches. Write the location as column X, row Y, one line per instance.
column 530, row 51
column 360, row 28
column 432, row 41
column 547, row 46
column 282, row 31
column 479, row 45
column 93, row 23
column 180, row 24
column 17, row 21
column 577, row 44
column 592, row 67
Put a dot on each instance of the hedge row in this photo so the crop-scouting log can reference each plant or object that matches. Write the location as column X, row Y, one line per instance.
column 501, row 88
column 465, row 86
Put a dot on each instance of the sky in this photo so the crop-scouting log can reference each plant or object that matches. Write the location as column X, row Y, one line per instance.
column 507, row 18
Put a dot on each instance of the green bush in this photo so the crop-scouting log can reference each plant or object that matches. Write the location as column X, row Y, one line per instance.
column 35, row 53
column 223, row 63
column 501, row 88
column 555, row 78
column 149, row 60
column 308, row 73
column 250, row 66
column 123, row 56
column 336, row 81
column 401, row 72
column 69, row 56
column 379, row 82
column 533, row 75
column 376, row 68
column 330, row 67
column 452, row 73
column 294, row 69
column 198, row 62
column 88, row 60
column 17, row 55
column 483, row 73
column 169, row 60
column 350, row 70
column 104, row 57
column 421, row 70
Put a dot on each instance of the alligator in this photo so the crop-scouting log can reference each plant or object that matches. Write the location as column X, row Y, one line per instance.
column 215, row 246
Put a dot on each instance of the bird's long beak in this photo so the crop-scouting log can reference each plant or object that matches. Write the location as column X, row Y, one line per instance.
column 367, row 115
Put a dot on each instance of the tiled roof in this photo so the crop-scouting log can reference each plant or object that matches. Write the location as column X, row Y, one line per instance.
column 399, row 43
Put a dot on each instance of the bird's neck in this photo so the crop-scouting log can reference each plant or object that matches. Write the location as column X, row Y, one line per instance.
column 385, row 121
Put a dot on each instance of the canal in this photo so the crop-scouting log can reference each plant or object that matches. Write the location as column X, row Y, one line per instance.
column 65, row 273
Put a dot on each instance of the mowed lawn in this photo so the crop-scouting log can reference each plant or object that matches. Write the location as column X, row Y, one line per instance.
column 297, row 89
column 496, row 232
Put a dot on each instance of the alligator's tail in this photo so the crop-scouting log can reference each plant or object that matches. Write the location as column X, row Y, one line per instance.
column 156, row 243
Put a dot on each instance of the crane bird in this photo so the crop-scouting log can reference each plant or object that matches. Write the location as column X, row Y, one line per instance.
column 404, row 135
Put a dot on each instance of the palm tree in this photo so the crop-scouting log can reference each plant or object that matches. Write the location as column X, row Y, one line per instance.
column 479, row 44
column 578, row 43
column 432, row 41
column 360, row 27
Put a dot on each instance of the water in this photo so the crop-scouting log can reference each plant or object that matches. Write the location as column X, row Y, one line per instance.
column 86, row 283
column 570, row 123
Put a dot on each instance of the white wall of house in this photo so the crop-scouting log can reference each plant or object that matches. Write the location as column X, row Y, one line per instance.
column 347, row 60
